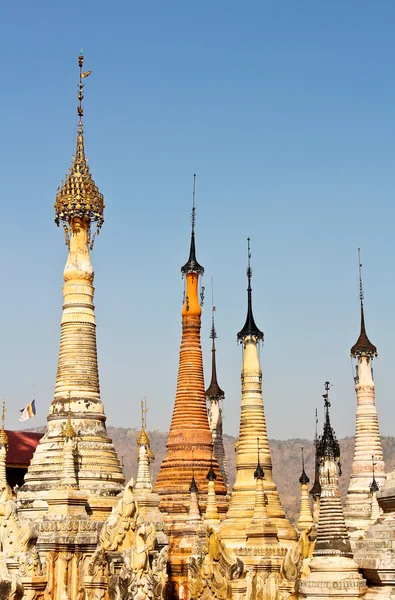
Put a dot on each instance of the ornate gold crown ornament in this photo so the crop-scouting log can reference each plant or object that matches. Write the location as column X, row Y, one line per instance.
column 79, row 196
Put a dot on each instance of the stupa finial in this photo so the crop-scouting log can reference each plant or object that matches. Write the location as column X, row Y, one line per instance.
column 328, row 444
column 193, row 488
column 259, row 473
column 3, row 435
column 192, row 266
column 374, row 486
column 213, row 391
column 143, row 438
column 363, row 346
column 79, row 197
column 250, row 328
column 303, row 479
column 316, row 489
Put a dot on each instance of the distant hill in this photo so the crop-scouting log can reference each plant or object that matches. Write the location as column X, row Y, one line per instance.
column 286, row 456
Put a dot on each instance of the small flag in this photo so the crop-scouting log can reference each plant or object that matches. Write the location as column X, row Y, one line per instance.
column 28, row 412
column 86, row 74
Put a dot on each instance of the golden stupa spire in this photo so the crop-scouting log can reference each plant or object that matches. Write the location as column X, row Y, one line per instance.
column 143, row 437
column 79, row 196
column 3, row 435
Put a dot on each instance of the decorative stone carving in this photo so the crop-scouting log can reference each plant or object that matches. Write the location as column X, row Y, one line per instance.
column 119, row 530
column 16, row 536
column 211, row 572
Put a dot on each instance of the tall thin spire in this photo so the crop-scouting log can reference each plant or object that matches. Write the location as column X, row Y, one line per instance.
column 303, row 479
column 213, row 391
column 316, row 489
column 363, row 345
column 192, row 266
column 250, row 328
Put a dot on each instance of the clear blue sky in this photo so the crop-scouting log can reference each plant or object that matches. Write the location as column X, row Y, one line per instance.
column 285, row 110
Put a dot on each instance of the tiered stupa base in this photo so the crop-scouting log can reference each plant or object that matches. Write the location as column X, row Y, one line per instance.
column 99, row 470
column 241, row 511
column 333, row 577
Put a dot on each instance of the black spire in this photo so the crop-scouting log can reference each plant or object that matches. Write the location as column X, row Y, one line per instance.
column 250, row 327
column 213, row 391
column 211, row 476
column 193, row 487
column 192, row 266
column 328, row 446
column 374, row 486
column 316, row 489
column 363, row 345
column 303, row 479
column 259, row 473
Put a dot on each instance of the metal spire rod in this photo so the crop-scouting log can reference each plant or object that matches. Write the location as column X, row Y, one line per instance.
column 249, row 270
column 143, row 404
column 360, row 276
column 3, row 414
column 80, row 108
column 213, row 333
column 193, row 203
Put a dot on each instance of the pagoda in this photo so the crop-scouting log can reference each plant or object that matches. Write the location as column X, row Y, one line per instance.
column 189, row 447
column 79, row 205
column 333, row 572
column 252, row 427
column 368, row 462
column 215, row 397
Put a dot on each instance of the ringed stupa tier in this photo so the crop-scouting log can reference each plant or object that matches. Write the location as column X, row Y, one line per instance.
column 368, row 450
column 252, row 427
column 215, row 396
column 79, row 205
column 189, row 445
column 333, row 572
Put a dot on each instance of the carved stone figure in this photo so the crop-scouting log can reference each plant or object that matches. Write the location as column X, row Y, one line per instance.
column 144, row 541
column 211, row 573
column 159, row 569
column 99, row 567
column 118, row 531
column 15, row 535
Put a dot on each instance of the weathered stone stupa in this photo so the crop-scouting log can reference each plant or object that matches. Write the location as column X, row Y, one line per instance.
column 252, row 427
column 368, row 450
column 215, row 397
column 334, row 573
column 78, row 205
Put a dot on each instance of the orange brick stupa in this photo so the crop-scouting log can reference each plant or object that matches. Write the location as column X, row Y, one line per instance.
column 189, row 448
